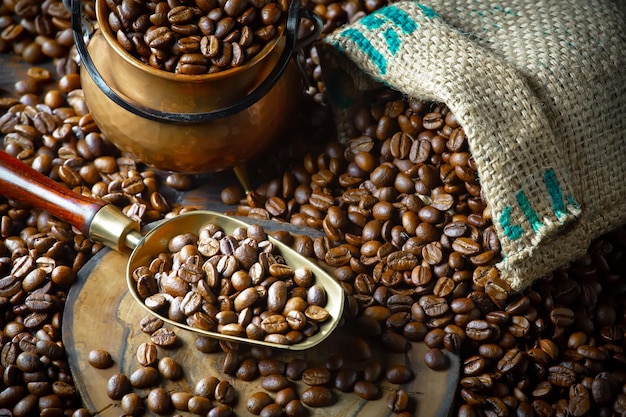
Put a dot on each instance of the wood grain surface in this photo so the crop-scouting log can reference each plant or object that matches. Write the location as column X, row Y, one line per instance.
column 101, row 314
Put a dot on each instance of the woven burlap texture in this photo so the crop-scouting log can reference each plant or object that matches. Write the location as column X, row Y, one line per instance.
column 539, row 88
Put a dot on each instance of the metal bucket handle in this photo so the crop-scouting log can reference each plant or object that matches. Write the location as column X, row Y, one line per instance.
column 294, row 14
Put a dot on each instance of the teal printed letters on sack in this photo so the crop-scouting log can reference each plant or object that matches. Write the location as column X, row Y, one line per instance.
column 555, row 193
column 390, row 23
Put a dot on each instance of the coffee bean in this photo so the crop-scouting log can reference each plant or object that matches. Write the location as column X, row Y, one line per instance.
column 511, row 360
column 257, row 402
column 398, row 400
column 169, row 368
column 159, row 401
column 206, row 387
column 294, row 408
column 346, row 378
column 132, row 404
column 561, row 376
column 221, row 410
column 100, row 359
column 180, row 400
column 225, row 393
column 295, row 368
column 436, row 359
column 271, row 366
column 562, row 316
column 199, row 405
column 118, row 385
column 316, row 376
column 317, row 396
column 163, row 337
column 285, row 396
column 367, row 390
column 247, row 370
column 144, row 377
column 274, row 382
column 399, row 374
column 481, row 330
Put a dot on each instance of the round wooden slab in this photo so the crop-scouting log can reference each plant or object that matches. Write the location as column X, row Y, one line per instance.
column 101, row 314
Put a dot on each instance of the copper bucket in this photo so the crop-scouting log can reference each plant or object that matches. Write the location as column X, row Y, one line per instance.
column 190, row 123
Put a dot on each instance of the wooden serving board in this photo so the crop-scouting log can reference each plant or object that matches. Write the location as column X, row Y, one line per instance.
column 101, row 314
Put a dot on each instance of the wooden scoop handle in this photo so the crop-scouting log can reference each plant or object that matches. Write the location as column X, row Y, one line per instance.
column 22, row 183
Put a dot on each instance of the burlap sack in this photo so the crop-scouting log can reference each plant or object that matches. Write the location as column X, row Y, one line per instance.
column 540, row 88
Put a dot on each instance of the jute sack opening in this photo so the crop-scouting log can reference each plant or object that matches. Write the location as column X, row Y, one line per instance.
column 540, row 89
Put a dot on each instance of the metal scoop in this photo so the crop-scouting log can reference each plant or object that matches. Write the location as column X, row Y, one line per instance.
column 105, row 223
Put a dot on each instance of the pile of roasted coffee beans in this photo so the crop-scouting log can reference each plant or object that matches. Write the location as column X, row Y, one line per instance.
column 405, row 227
column 409, row 235
column 235, row 284
column 194, row 37
column 288, row 386
column 38, row 30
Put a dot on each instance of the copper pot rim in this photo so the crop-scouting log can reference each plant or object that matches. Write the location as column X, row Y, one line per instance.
column 171, row 76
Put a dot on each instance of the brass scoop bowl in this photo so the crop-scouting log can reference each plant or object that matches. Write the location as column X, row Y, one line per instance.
column 105, row 223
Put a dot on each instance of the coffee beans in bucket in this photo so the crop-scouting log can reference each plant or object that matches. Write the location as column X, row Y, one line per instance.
column 195, row 37
column 237, row 285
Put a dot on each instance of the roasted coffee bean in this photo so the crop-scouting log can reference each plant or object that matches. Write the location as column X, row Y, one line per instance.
column 180, row 400
column 579, row 400
column 317, row 396
column 561, row 376
column 247, row 370
column 170, row 368
column 272, row 410
column 294, row 408
column 398, row 400
column 206, row 387
column 562, row 316
column 398, row 374
column 118, row 385
column 345, row 379
column 367, row 390
column 316, row 376
column 601, row 390
column 481, row 330
column 225, row 393
column 511, row 360
column 163, row 337
column 373, row 370
column 100, row 359
column 295, row 368
column 258, row 401
column 199, row 405
column 274, row 382
column 132, row 404
column 159, row 401
column 147, row 354
column 220, row 410
column 49, row 348
column 271, row 366
column 285, row 396
column 436, row 359
column 144, row 377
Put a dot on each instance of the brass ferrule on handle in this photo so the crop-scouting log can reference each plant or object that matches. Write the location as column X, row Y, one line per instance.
column 113, row 229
